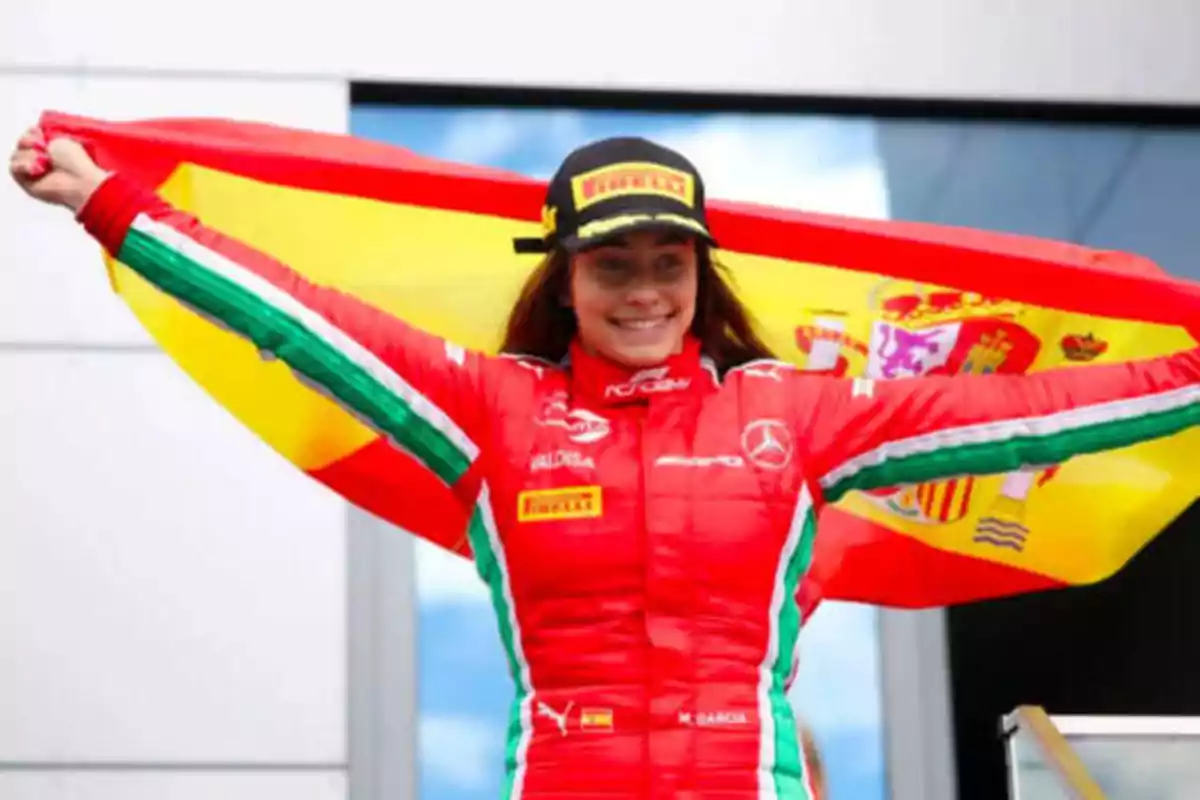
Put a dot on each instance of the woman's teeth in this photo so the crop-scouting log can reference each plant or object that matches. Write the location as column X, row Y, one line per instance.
column 641, row 324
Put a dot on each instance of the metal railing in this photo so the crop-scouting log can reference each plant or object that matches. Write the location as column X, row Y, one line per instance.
column 1041, row 762
column 1108, row 757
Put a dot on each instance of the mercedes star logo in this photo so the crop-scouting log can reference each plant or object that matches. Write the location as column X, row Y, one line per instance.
column 768, row 443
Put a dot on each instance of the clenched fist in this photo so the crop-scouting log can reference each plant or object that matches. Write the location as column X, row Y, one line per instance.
column 59, row 172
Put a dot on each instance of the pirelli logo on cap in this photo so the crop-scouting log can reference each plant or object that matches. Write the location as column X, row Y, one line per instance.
column 575, row 502
column 632, row 178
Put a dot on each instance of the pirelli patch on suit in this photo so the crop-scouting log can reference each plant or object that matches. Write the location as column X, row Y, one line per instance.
column 571, row 502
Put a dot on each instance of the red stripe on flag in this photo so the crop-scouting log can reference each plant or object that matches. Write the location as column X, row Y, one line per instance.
column 950, row 487
column 966, row 497
column 1034, row 271
column 385, row 481
column 867, row 563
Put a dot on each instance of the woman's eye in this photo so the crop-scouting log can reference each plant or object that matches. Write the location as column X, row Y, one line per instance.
column 669, row 265
column 613, row 270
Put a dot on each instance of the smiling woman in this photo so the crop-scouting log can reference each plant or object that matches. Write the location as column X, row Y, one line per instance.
column 796, row 161
column 633, row 299
column 629, row 270
column 793, row 160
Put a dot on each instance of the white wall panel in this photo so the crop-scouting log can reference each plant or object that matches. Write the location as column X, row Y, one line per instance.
column 52, row 283
column 170, row 589
column 172, row 786
column 1105, row 49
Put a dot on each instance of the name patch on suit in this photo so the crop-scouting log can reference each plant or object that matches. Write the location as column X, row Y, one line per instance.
column 572, row 502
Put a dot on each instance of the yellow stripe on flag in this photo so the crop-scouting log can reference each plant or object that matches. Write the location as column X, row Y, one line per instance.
column 454, row 274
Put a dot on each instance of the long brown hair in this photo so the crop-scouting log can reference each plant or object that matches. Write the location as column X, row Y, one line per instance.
column 541, row 325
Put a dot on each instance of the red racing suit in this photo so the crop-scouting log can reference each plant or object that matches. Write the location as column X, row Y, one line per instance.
column 643, row 533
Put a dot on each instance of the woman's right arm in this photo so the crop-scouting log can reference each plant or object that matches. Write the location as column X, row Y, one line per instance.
column 424, row 394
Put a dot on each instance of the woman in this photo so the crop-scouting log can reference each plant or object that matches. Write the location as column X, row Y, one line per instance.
column 644, row 482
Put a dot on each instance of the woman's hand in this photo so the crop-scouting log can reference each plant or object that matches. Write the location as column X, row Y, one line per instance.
column 59, row 172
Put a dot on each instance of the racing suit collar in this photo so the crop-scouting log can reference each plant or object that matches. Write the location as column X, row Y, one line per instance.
column 611, row 384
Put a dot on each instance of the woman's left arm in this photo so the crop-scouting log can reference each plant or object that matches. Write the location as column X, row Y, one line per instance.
column 865, row 434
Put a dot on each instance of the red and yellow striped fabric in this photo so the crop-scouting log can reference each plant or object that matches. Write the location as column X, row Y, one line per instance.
column 432, row 243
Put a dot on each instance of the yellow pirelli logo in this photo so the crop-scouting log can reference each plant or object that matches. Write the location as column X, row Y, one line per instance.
column 632, row 178
column 574, row 502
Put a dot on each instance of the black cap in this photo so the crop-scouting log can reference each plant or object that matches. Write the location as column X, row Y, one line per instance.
column 615, row 186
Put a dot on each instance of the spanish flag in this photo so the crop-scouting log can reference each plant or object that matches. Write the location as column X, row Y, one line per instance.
column 431, row 242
